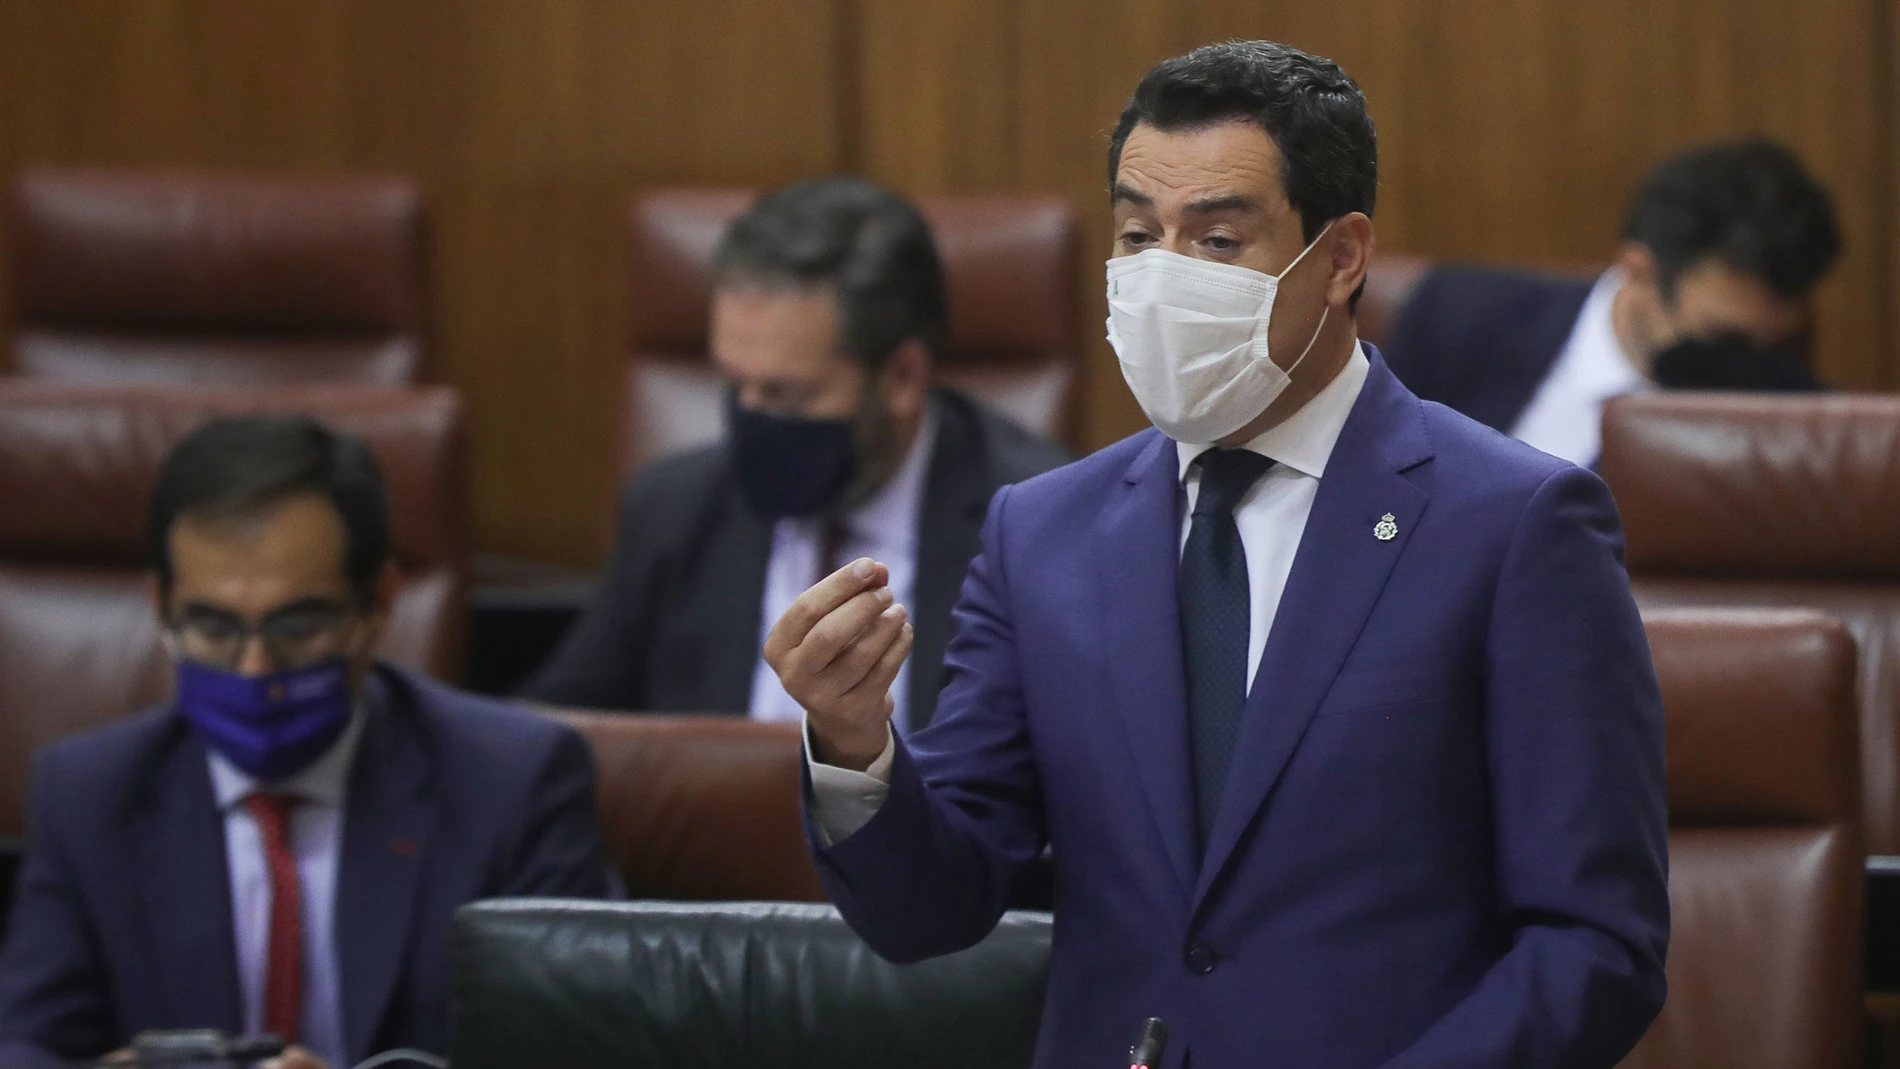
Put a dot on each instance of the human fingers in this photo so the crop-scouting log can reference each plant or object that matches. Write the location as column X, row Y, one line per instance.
column 820, row 601
column 862, row 653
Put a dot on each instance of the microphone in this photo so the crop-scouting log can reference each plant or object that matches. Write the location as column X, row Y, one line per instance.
column 1152, row 1040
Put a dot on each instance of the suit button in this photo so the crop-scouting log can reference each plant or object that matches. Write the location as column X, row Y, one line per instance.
column 1200, row 959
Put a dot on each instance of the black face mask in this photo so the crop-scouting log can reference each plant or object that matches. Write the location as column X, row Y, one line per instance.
column 788, row 465
column 1728, row 362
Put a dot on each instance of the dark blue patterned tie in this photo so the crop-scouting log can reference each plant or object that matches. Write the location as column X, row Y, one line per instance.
column 1214, row 621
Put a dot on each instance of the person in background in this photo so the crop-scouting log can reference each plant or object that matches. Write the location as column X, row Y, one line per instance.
column 1712, row 288
column 828, row 311
column 280, row 848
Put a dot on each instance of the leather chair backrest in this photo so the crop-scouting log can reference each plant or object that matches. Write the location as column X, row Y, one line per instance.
column 78, row 641
column 1009, row 265
column 1731, row 499
column 587, row 985
column 1765, row 853
column 173, row 276
column 700, row 807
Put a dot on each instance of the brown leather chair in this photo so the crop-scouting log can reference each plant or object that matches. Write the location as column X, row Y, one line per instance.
column 172, row 276
column 1010, row 267
column 78, row 642
column 700, row 808
column 1775, row 501
column 1764, row 842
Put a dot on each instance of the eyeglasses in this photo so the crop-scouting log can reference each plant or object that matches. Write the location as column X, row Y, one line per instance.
column 294, row 635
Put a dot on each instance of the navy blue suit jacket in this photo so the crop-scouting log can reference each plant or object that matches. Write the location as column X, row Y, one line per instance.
column 123, row 918
column 1443, row 839
column 1481, row 340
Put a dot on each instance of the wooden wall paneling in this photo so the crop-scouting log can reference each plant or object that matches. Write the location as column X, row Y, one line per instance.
column 1510, row 130
column 14, row 22
column 163, row 84
column 936, row 94
column 1516, row 131
column 1077, row 64
column 553, row 116
column 1806, row 74
column 1886, row 136
column 528, row 125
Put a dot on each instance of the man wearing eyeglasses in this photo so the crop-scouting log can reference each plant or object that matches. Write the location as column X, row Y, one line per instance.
column 280, row 849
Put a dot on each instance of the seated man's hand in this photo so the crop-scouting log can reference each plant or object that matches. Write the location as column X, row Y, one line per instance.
column 294, row 1058
column 837, row 651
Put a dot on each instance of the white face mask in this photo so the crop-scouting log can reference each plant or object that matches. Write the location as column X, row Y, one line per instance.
column 1191, row 336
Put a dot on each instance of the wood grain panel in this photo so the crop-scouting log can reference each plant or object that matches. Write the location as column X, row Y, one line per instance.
column 1517, row 131
column 936, row 94
column 1078, row 64
column 1886, row 19
column 529, row 126
column 1510, row 130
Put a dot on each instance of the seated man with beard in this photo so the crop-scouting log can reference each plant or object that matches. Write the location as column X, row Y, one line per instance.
column 1712, row 290
column 828, row 311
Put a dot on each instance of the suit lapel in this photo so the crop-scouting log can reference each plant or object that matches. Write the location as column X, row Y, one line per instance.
column 1523, row 354
column 1137, row 542
column 1337, row 576
column 386, row 843
column 183, row 876
column 956, row 494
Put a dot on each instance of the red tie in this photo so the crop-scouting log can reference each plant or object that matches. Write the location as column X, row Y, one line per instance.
column 283, row 975
column 830, row 545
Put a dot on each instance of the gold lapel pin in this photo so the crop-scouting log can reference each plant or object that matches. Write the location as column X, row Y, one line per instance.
column 1386, row 529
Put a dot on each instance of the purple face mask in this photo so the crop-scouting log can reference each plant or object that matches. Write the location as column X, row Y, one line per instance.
column 271, row 726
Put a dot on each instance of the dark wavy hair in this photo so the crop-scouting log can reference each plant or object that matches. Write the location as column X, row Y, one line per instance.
column 1749, row 204
column 1314, row 112
column 241, row 466
column 867, row 243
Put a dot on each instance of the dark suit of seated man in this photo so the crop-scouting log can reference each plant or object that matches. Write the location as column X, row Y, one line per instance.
column 828, row 310
column 280, row 850
column 1721, row 251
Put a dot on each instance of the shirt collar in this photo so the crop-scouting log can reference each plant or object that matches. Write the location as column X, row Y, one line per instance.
column 889, row 517
column 1604, row 370
column 323, row 782
column 1304, row 441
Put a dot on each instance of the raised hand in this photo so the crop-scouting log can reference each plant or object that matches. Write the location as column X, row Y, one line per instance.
column 837, row 650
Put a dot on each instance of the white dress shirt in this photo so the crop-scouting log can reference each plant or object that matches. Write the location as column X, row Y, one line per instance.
column 884, row 528
column 316, row 838
column 1565, row 416
column 1271, row 517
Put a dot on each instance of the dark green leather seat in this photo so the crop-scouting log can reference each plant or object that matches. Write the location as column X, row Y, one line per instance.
column 591, row 985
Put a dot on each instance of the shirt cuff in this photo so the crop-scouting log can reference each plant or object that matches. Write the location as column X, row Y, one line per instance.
column 844, row 800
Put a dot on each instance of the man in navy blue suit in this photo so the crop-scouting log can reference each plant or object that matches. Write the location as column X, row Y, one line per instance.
column 1722, row 248
column 1332, row 704
column 280, row 849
